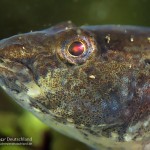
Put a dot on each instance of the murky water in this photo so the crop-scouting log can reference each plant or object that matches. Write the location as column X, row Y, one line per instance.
column 23, row 16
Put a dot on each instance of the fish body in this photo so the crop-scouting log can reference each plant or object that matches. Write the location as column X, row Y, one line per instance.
column 91, row 83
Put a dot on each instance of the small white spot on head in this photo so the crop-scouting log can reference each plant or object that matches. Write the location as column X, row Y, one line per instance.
column 66, row 28
column 92, row 77
column 130, row 66
column 107, row 37
column 131, row 38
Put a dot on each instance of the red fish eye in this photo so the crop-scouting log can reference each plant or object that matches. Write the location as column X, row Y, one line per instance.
column 76, row 48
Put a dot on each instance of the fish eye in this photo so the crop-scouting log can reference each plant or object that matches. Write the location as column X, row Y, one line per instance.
column 76, row 48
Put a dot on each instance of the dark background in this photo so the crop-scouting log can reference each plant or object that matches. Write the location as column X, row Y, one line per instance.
column 19, row 16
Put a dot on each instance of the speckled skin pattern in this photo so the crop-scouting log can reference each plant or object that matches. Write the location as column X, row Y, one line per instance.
column 101, row 97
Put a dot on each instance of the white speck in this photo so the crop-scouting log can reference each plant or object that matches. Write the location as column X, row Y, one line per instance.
column 23, row 47
column 130, row 66
column 107, row 37
column 92, row 76
column 131, row 38
column 19, row 37
column 66, row 28
column 101, row 125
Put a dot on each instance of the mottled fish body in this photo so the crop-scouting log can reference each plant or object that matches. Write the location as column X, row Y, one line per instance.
column 90, row 82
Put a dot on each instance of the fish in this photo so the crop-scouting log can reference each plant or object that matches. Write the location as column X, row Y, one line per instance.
column 91, row 83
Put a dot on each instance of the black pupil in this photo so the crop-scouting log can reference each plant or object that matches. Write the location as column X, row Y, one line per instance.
column 76, row 48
